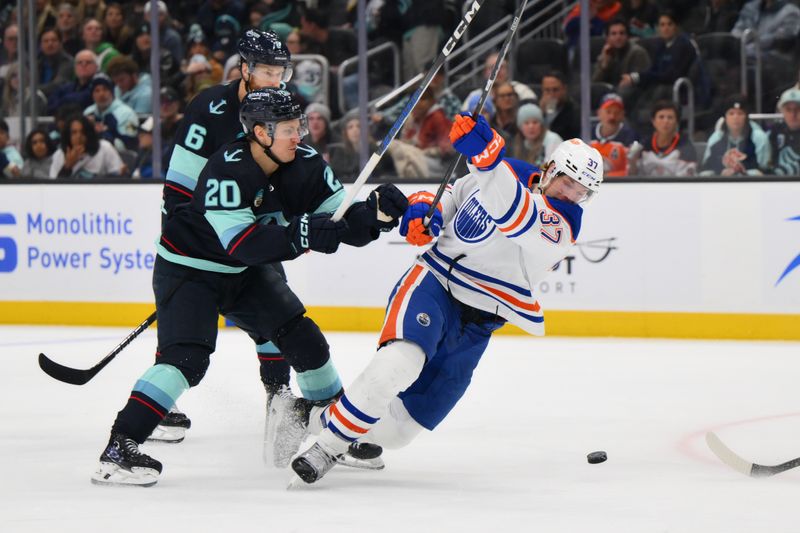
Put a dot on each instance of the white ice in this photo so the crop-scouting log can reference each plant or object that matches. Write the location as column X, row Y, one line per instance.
column 511, row 457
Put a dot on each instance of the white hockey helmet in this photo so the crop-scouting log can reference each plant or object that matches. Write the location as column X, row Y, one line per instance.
column 579, row 161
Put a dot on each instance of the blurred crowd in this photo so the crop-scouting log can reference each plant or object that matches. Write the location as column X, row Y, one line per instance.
column 94, row 85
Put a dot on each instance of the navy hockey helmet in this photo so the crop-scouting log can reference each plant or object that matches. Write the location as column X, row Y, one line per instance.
column 267, row 107
column 266, row 48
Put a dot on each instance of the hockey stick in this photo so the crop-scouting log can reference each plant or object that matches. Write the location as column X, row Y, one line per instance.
column 401, row 119
column 477, row 111
column 76, row 376
column 743, row 466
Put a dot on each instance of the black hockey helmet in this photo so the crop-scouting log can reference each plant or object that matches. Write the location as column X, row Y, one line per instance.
column 268, row 107
column 265, row 47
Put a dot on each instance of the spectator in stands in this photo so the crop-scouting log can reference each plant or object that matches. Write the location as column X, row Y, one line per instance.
column 345, row 159
column 168, row 37
column 306, row 73
column 113, row 120
column 11, row 104
column 92, row 35
column 131, row 88
column 67, row 26
column 143, row 166
column 170, row 119
column 619, row 55
column 673, row 58
column 202, row 71
column 612, row 137
column 231, row 71
column 46, row 16
column 505, row 106
column 449, row 102
column 668, row 153
column 38, row 151
column 83, row 154
column 171, row 74
column 211, row 10
column 116, row 30
column 560, row 111
column 428, row 128
column 10, row 48
column 55, row 65
column 712, row 16
column 336, row 44
column 642, row 17
column 533, row 142
column 784, row 138
column 524, row 93
column 319, row 128
column 422, row 23
column 95, row 9
column 62, row 114
column 10, row 161
column 226, row 35
column 776, row 21
column 738, row 146
column 77, row 91
column 601, row 12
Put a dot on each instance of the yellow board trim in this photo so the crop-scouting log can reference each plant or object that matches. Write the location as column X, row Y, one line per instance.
column 564, row 323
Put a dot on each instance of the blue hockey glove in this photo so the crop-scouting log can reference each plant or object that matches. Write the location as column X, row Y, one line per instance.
column 478, row 141
column 412, row 227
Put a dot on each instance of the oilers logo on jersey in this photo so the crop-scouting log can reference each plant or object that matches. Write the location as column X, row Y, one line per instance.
column 473, row 224
column 424, row 320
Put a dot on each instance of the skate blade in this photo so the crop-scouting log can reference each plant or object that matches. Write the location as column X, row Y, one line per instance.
column 167, row 434
column 112, row 475
column 363, row 464
column 295, row 483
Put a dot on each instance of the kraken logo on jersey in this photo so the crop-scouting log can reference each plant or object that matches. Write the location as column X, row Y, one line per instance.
column 473, row 223
column 259, row 198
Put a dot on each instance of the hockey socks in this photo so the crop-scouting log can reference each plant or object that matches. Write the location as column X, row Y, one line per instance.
column 151, row 399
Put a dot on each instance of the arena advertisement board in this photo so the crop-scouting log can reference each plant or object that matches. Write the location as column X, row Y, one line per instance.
column 715, row 248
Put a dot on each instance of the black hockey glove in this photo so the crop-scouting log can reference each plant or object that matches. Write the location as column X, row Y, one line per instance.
column 316, row 232
column 387, row 204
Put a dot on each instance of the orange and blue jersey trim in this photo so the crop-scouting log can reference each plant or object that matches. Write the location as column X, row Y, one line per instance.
column 518, row 306
column 395, row 311
column 567, row 217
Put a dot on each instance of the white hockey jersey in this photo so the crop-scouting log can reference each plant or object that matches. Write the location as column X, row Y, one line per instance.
column 498, row 241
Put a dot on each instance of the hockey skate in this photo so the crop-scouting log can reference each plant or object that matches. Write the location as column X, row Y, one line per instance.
column 173, row 428
column 291, row 419
column 362, row 455
column 121, row 463
column 314, row 463
column 285, row 429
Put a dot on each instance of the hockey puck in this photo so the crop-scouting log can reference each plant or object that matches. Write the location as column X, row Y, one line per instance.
column 597, row 457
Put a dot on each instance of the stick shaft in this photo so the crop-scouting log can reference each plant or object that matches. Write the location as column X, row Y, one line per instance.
column 484, row 95
column 412, row 102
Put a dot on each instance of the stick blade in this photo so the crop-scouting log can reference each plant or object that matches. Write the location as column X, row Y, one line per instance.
column 729, row 457
column 63, row 373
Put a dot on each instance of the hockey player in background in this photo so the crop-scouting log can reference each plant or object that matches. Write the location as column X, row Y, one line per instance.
column 502, row 231
column 259, row 199
column 212, row 120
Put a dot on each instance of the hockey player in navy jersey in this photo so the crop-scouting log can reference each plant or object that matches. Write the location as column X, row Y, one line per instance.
column 210, row 121
column 500, row 231
column 259, row 199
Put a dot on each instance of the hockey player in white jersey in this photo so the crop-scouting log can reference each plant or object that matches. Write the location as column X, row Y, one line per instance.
column 504, row 226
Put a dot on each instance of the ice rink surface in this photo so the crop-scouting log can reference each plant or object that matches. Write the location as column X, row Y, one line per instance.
column 511, row 457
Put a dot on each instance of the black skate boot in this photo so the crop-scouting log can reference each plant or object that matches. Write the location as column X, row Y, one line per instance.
column 121, row 463
column 314, row 463
column 363, row 455
column 173, row 428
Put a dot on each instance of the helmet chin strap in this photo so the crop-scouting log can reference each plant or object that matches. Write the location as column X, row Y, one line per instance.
column 268, row 152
